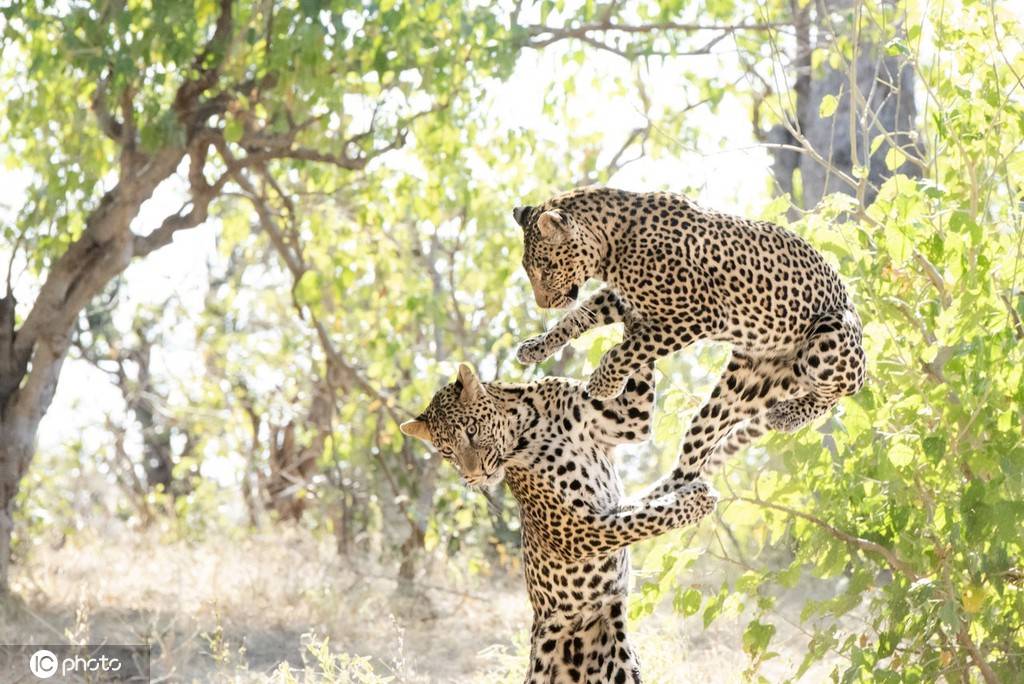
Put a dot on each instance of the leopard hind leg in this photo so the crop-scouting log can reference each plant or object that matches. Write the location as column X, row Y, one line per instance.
column 734, row 413
column 830, row 364
column 738, row 437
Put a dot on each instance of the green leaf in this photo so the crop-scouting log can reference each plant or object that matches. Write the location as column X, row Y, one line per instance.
column 901, row 455
column 898, row 244
column 894, row 158
column 307, row 290
column 687, row 602
column 713, row 607
column 233, row 131
column 828, row 106
column 756, row 638
column 876, row 142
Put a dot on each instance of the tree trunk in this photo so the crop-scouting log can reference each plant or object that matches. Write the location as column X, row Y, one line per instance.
column 20, row 413
column 343, row 525
column 31, row 357
column 15, row 454
column 423, row 487
column 157, row 454
column 29, row 389
column 875, row 97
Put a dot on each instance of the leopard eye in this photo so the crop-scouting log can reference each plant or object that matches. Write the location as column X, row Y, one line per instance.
column 446, row 452
column 471, row 429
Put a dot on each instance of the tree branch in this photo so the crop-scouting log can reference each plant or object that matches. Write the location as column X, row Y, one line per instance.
column 340, row 371
column 936, row 279
column 10, row 263
column 108, row 123
column 656, row 27
column 540, row 36
column 163, row 235
column 988, row 674
column 261, row 147
column 1018, row 324
column 202, row 191
column 894, row 561
column 208, row 63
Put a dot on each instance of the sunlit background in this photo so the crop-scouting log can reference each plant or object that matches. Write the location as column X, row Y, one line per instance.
column 881, row 544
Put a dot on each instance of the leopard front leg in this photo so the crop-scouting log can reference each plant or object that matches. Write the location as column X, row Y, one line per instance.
column 645, row 341
column 627, row 418
column 603, row 308
column 667, row 505
column 536, row 349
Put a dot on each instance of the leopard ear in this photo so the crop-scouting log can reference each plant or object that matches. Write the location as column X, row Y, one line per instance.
column 472, row 389
column 417, row 429
column 520, row 214
column 553, row 226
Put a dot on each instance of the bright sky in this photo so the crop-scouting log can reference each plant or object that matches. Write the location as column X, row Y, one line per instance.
column 730, row 172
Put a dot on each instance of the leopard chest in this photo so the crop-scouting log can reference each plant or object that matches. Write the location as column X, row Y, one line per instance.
column 560, row 587
column 566, row 483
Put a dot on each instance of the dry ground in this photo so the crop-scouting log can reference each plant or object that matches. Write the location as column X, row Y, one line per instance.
column 247, row 610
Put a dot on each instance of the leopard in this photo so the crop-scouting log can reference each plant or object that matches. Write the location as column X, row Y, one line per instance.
column 553, row 447
column 683, row 273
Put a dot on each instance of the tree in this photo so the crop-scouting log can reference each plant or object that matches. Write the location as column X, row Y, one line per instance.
column 128, row 363
column 110, row 105
column 895, row 134
column 377, row 273
column 852, row 101
column 193, row 89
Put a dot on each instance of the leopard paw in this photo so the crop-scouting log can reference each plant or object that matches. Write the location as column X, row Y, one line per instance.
column 533, row 350
column 600, row 388
column 705, row 489
column 704, row 496
column 784, row 417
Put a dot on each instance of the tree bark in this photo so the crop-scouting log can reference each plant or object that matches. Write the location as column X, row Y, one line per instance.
column 31, row 356
column 35, row 353
column 423, row 473
column 157, row 454
column 15, row 454
column 141, row 393
column 875, row 97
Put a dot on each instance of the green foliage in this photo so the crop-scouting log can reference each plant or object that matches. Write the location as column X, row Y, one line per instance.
column 912, row 495
column 337, row 67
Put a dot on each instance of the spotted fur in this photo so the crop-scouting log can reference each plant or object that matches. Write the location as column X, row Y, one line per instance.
column 681, row 273
column 576, row 521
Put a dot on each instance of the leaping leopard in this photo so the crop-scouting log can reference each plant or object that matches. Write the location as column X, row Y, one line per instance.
column 683, row 273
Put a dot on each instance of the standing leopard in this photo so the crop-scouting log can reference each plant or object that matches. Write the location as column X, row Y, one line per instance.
column 554, row 447
column 682, row 273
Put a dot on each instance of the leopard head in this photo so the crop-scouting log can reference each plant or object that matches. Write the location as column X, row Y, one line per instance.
column 469, row 428
column 554, row 255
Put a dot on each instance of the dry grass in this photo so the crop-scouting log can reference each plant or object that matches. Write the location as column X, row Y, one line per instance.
column 235, row 610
